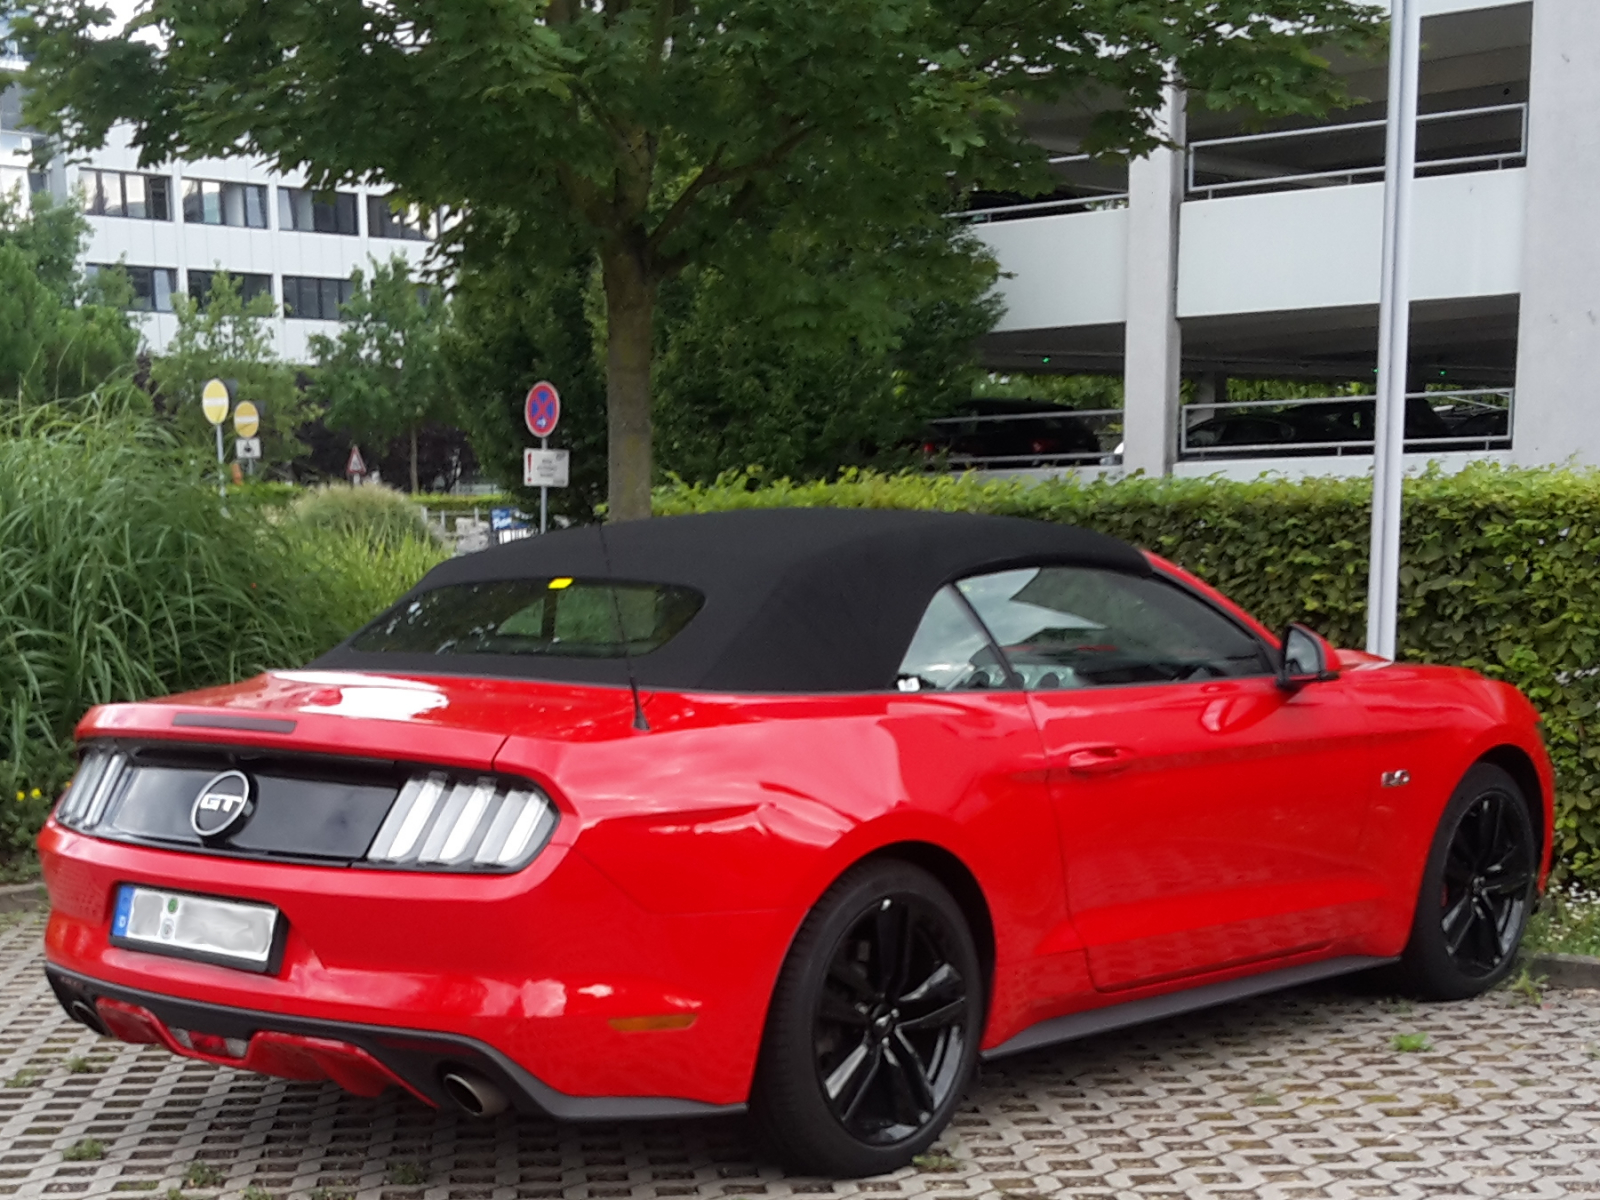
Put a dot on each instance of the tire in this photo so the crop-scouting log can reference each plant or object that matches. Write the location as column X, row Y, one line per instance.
column 1478, row 890
column 866, row 1053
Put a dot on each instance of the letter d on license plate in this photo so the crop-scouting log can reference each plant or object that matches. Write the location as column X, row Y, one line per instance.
column 234, row 933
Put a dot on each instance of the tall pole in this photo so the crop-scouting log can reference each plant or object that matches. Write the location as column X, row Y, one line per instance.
column 544, row 492
column 1394, row 326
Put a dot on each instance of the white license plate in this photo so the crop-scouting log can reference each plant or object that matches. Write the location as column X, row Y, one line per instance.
column 231, row 932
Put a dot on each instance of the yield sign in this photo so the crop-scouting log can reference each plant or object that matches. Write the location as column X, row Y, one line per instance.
column 355, row 464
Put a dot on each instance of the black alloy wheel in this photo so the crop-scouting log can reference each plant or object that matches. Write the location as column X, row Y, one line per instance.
column 1478, row 890
column 1488, row 883
column 874, row 1025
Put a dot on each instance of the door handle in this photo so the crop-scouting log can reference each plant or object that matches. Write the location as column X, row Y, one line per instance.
column 1099, row 760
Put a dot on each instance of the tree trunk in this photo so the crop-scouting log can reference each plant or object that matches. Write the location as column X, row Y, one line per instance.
column 630, row 322
column 414, row 488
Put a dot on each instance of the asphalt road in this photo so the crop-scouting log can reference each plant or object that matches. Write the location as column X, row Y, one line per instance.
column 1304, row 1094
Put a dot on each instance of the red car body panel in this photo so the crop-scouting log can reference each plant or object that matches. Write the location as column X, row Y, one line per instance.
column 1121, row 843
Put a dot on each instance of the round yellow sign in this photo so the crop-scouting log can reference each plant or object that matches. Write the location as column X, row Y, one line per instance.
column 246, row 419
column 215, row 402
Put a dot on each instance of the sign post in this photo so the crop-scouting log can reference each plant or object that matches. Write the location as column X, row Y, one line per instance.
column 246, row 424
column 542, row 411
column 355, row 466
column 215, row 401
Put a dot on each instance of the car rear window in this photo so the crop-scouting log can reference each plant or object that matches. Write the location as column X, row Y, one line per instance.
column 560, row 617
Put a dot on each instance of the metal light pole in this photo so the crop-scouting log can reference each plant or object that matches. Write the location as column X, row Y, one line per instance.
column 1394, row 326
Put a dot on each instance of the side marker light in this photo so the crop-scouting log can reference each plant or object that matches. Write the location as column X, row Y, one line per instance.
column 650, row 1024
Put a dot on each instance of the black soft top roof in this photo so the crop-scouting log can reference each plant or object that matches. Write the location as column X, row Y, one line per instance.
column 796, row 599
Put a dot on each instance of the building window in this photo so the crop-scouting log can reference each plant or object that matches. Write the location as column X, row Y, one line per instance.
column 249, row 286
column 208, row 202
column 151, row 287
column 383, row 222
column 314, row 299
column 125, row 194
column 317, row 212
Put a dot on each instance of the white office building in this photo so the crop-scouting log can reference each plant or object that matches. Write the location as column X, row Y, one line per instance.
column 1253, row 253
column 174, row 226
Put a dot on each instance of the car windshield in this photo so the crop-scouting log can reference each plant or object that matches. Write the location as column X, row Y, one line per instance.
column 561, row 616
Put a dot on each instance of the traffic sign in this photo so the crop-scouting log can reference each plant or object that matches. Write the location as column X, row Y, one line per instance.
column 246, row 420
column 544, row 468
column 542, row 409
column 355, row 464
column 215, row 401
column 246, row 447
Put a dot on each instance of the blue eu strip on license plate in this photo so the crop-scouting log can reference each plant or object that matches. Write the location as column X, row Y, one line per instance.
column 231, row 932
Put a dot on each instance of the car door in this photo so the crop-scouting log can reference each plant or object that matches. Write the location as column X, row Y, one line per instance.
column 1207, row 818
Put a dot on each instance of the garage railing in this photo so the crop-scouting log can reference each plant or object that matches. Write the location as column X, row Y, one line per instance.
column 1468, row 139
column 1092, row 197
column 1473, row 419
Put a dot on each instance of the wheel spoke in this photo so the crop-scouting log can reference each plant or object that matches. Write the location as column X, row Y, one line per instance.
column 1457, row 921
column 941, row 980
column 948, row 1014
column 892, row 928
column 875, row 1064
column 838, row 1009
column 852, row 976
column 916, row 1076
column 847, row 1069
column 1509, row 885
column 1486, row 943
column 908, row 1109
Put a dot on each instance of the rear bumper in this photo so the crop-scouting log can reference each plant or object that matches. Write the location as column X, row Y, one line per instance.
column 362, row 1058
column 552, row 980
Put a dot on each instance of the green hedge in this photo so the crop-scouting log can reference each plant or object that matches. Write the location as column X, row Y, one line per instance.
column 1500, row 571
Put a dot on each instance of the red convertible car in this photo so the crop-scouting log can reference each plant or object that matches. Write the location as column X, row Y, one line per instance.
column 805, row 810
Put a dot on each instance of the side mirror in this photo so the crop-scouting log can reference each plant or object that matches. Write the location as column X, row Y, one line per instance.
column 1304, row 660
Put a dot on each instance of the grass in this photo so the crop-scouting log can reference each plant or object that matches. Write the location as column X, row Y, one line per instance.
column 84, row 1150
column 199, row 1174
column 24, row 1078
column 1568, row 922
column 78, row 1064
column 407, row 1174
column 123, row 577
column 1410, row 1043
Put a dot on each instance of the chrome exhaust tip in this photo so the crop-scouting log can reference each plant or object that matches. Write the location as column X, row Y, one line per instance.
column 474, row 1094
column 84, row 1013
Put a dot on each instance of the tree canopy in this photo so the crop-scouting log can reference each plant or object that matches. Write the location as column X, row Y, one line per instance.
column 61, row 335
column 655, row 135
column 380, row 378
column 227, row 337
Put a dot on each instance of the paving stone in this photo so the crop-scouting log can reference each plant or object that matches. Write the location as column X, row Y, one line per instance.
column 1298, row 1096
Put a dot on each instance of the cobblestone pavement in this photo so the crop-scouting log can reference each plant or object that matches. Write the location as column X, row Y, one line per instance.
column 1311, row 1093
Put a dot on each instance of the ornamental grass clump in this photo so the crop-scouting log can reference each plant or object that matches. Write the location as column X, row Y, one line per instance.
column 381, row 516
column 122, row 576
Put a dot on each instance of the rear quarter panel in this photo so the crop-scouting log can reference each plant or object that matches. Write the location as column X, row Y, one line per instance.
column 734, row 804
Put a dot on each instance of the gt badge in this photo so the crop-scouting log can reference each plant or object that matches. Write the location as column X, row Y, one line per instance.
column 1396, row 778
column 223, row 805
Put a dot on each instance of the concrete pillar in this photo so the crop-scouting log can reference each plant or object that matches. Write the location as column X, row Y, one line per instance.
column 1153, row 344
column 1558, row 335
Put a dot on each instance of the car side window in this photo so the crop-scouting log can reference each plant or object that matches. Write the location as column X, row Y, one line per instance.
column 1073, row 627
column 950, row 651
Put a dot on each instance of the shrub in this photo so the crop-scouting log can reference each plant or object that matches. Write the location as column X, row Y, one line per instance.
column 1500, row 570
column 122, row 577
column 380, row 515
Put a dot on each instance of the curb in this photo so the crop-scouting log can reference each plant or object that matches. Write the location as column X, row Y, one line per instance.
column 23, row 897
column 1565, row 970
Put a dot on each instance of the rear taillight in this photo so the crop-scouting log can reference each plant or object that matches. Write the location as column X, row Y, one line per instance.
column 475, row 823
column 89, row 794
